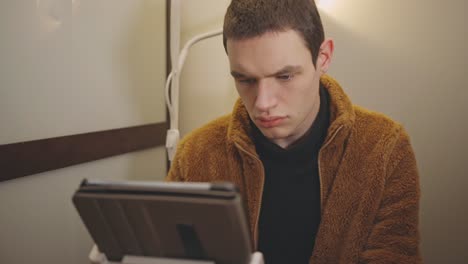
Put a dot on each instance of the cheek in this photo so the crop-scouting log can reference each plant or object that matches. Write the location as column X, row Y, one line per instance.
column 293, row 92
column 298, row 97
column 247, row 95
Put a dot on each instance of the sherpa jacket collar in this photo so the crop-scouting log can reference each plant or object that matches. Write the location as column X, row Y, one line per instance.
column 239, row 134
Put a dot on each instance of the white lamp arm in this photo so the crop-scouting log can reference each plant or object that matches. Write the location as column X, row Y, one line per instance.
column 173, row 134
column 191, row 42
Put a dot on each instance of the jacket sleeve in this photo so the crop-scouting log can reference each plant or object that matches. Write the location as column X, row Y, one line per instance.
column 394, row 236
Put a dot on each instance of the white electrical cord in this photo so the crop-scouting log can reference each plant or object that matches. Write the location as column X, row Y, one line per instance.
column 182, row 56
column 172, row 82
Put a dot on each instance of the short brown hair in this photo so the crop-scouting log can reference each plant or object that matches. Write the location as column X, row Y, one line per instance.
column 250, row 18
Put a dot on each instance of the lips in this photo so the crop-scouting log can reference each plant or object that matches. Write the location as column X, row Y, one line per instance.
column 269, row 122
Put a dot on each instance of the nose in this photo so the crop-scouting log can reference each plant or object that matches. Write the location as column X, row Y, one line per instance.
column 266, row 98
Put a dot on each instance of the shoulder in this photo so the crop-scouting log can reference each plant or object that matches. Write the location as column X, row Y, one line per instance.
column 212, row 133
column 202, row 154
column 376, row 128
column 378, row 137
column 203, row 142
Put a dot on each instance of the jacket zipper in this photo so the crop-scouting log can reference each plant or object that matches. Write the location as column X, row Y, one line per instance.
column 263, row 182
column 319, row 164
column 261, row 195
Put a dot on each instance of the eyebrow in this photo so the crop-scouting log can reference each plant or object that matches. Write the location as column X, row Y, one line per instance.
column 284, row 70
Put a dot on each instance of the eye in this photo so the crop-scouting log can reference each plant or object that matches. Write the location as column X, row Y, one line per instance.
column 247, row 81
column 285, row 77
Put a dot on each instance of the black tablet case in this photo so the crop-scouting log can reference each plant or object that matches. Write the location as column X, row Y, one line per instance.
column 169, row 222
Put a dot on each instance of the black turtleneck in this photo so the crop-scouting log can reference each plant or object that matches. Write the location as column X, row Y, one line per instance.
column 290, row 211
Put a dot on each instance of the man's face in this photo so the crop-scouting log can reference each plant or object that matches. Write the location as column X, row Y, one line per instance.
column 277, row 82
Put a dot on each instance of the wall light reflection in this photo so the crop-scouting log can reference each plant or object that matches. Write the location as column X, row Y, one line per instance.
column 326, row 5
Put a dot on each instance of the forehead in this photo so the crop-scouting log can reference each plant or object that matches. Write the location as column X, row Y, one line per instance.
column 268, row 52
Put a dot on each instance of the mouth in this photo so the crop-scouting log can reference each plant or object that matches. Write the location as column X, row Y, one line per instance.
column 269, row 122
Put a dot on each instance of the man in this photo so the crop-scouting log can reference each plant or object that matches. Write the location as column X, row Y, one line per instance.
column 324, row 181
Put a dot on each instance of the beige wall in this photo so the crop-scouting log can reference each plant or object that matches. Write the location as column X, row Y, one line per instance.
column 205, row 85
column 71, row 67
column 407, row 59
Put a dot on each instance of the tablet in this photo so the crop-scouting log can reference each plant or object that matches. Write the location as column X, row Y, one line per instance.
column 199, row 221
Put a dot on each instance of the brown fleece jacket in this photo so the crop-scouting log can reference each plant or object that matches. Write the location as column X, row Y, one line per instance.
column 368, row 177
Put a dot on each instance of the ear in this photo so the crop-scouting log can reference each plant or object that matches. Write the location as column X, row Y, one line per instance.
column 325, row 55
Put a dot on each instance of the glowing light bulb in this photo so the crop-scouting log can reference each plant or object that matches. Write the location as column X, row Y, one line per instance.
column 50, row 14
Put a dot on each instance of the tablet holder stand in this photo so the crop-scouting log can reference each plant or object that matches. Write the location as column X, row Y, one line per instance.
column 97, row 257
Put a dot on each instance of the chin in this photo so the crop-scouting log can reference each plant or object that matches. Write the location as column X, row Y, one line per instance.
column 274, row 133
